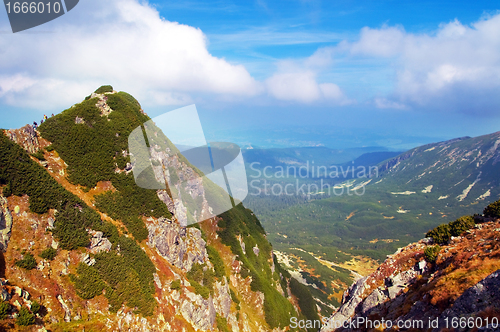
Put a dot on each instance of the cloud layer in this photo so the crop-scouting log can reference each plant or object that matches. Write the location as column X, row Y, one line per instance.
column 455, row 69
column 127, row 44
column 123, row 42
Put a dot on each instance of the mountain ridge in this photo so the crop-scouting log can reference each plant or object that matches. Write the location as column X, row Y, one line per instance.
column 116, row 256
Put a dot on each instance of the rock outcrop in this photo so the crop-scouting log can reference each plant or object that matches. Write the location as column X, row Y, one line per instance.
column 26, row 137
column 99, row 243
column 200, row 313
column 477, row 298
column 180, row 246
column 406, row 288
column 5, row 223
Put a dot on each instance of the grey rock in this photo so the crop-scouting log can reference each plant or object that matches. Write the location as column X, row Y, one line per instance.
column 51, row 223
column 180, row 246
column 421, row 265
column 377, row 297
column 88, row 260
column 476, row 298
column 427, row 240
column 67, row 311
column 350, row 301
column 5, row 223
column 200, row 313
column 222, row 298
column 26, row 137
column 393, row 291
column 4, row 294
column 98, row 243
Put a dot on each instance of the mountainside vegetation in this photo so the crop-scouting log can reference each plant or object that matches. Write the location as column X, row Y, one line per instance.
column 91, row 249
column 334, row 228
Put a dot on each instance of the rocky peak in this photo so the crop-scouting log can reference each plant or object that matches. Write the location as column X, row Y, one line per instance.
column 116, row 256
column 26, row 137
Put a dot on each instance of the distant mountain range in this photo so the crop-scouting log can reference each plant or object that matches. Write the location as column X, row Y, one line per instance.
column 318, row 155
column 459, row 171
column 412, row 193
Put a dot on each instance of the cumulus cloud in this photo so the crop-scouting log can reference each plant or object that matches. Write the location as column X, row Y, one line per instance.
column 122, row 42
column 455, row 69
column 298, row 80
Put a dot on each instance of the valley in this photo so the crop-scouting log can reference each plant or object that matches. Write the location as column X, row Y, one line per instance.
column 414, row 192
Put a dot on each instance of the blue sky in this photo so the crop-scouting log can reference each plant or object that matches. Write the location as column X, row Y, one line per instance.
column 271, row 73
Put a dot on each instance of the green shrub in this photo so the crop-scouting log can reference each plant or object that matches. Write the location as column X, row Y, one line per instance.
column 24, row 176
column 431, row 253
column 129, row 202
column 93, row 151
column 88, row 283
column 175, row 285
column 440, row 234
column 38, row 155
column 7, row 190
column 28, row 262
column 202, row 279
column 127, row 278
column 104, row 88
column 25, row 317
column 242, row 222
column 305, row 300
column 460, row 225
column 4, row 309
column 200, row 289
column 35, row 307
column 71, row 224
column 222, row 324
column 282, row 274
column 492, row 210
column 48, row 254
column 216, row 260
column 235, row 299
column 443, row 233
column 50, row 148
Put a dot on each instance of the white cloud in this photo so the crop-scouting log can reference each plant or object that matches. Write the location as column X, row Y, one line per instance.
column 299, row 86
column 119, row 42
column 298, row 80
column 384, row 42
column 455, row 69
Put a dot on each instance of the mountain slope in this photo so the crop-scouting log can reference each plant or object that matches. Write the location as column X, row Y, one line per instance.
column 453, row 288
column 98, row 252
column 463, row 170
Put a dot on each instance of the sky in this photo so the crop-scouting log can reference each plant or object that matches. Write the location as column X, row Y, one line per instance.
column 270, row 73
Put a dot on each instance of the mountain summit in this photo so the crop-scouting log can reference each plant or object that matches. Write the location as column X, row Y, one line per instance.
column 83, row 247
